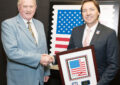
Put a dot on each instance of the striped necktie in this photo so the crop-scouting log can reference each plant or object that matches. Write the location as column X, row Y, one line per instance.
column 30, row 29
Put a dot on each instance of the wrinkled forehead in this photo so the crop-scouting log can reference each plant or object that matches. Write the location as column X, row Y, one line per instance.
column 26, row 1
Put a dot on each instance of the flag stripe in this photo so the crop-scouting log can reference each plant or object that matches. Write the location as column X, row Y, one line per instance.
column 62, row 39
column 62, row 42
column 60, row 49
column 61, row 46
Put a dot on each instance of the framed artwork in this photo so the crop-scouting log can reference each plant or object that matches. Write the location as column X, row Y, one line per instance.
column 78, row 66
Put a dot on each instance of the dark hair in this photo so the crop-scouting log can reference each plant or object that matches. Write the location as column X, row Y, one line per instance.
column 95, row 3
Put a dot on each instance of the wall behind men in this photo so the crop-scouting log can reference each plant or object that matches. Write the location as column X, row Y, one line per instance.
column 8, row 9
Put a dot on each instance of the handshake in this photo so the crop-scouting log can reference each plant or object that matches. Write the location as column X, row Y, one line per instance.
column 46, row 59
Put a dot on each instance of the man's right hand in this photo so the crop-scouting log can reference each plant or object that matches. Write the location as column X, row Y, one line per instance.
column 46, row 59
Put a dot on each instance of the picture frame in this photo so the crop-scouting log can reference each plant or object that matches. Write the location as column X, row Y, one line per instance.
column 78, row 66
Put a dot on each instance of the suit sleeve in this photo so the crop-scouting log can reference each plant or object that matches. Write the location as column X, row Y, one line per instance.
column 14, row 53
column 112, row 53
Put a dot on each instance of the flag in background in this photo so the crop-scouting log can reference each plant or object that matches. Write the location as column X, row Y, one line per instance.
column 66, row 17
column 66, row 21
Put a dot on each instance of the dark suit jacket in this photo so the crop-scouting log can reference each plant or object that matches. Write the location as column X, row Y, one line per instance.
column 106, row 50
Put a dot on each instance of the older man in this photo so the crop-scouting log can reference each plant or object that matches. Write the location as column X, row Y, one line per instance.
column 24, row 42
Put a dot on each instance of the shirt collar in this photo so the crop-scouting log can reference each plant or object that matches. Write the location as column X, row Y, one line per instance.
column 92, row 28
column 27, row 20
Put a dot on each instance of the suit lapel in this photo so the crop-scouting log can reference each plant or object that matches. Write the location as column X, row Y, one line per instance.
column 22, row 26
column 80, row 34
column 96, row 34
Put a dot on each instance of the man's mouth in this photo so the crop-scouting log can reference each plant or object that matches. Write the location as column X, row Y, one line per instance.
column 28, row 13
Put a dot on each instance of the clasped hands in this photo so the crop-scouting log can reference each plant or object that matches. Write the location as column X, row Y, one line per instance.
column 46, row 59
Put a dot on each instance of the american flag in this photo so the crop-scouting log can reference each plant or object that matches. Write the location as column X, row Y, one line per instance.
column 78, row 67
column 66, row 21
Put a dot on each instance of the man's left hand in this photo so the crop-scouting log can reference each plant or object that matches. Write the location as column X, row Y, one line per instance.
column 46, row 78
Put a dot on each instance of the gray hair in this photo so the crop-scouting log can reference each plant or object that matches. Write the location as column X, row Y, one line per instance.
column 19, row 1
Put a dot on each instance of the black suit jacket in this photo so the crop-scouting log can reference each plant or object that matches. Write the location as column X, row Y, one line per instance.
column 105, row 43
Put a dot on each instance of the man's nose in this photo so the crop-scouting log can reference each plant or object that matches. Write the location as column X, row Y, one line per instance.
column 88, row 12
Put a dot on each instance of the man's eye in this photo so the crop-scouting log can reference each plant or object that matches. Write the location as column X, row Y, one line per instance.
column 83, row 10
column 92, row 9
column 31, row 6
column 25, row 6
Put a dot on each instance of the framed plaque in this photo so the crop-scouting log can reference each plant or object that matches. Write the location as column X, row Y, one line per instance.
column 78, row 66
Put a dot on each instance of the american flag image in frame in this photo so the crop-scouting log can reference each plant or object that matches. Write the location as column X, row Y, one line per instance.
column 64, row 16
column 78, row 67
